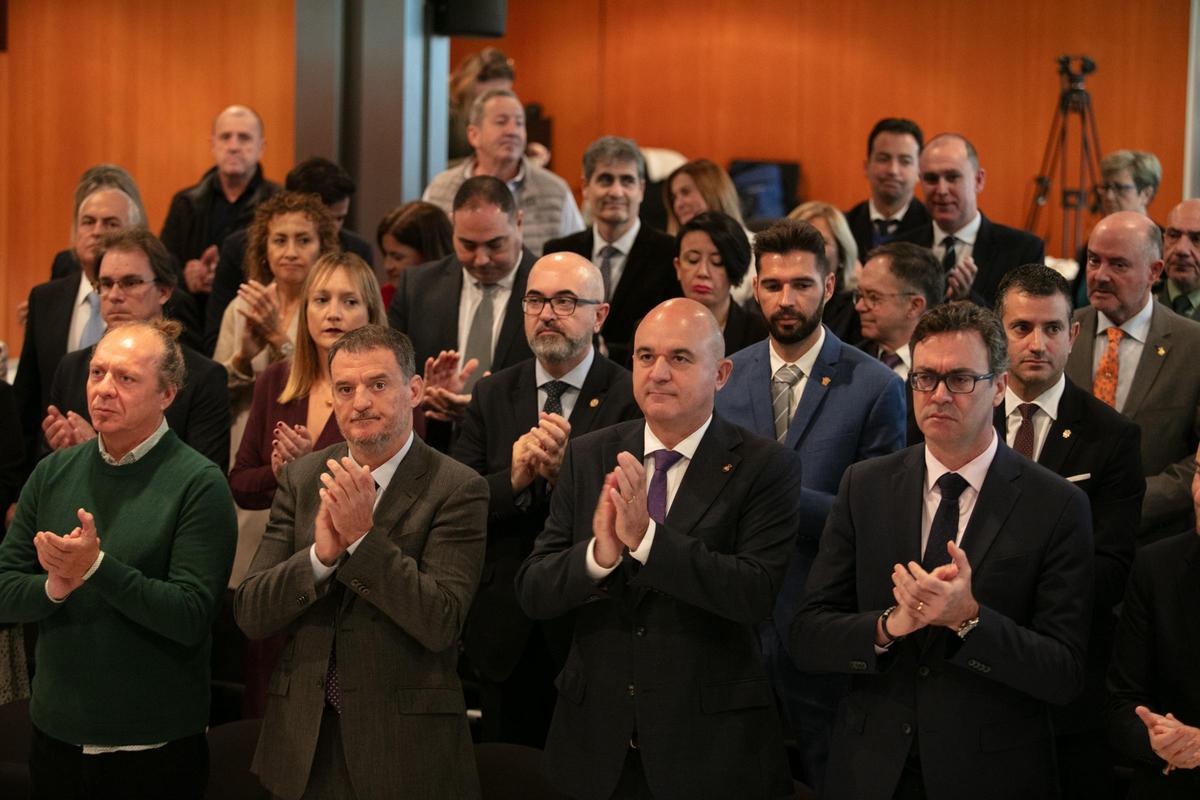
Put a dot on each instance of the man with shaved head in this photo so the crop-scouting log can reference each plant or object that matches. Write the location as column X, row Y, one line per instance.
column 1181, row 254
column 222, row 201
column 515, row 433
column 666, row 542
column 1140, row 358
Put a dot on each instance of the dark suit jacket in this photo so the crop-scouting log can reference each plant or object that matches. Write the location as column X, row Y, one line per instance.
column 46, row 330
column 998, row 249
column 647, row 279
column 1097, row 449
column 231, row 273
column 667, row 648
column 980, row 707
column 425, row 307
column 503, row 407
column 913, row 433
column 863, row 230
column 394, row 608
column 1154, row 663
column 742, row 328
column 199, row 414
column 1164, row 401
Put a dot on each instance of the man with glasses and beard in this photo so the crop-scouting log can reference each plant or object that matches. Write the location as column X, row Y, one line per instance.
column 831, row 403
column 515, row 433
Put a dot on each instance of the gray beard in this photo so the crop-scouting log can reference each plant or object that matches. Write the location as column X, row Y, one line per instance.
column 556, row 351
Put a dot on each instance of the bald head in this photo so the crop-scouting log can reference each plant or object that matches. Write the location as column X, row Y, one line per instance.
column 688, row 314
column 1134, row 227
column 238, row 111
column 1181, row 246
column 1123, row 262
column 560, row 340
column 237, row 144
column 572, row 268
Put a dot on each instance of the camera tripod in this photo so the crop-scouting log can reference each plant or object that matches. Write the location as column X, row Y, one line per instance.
column 1074, row 101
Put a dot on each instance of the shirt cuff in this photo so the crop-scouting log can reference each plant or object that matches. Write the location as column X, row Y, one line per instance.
column 594, row 570
column 91, row 571
column 643, row 550
column 320, row 571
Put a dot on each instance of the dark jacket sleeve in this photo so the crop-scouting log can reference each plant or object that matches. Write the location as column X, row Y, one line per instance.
column 1131, row 675
column 252, row 479
column 12, row 452
column 176, row 230
column 209, row 418
column 228, row 278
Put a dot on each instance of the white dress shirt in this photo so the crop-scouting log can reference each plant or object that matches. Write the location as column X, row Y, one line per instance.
column 616, row 264
column 876, row 215
column 1043, row 416
column 383, row 476
column 675, row 474
column 1137, row 329
column 81, row 313
column 964, row 244
column 973, row 472
column 805, row 363
column 469, row 300
column 573, row 379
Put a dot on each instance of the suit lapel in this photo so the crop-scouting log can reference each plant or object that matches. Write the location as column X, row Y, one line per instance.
column 815, row 389
column 446, row 301
column 1154, row 355
column 400, row 493
column 711, row 468
column 993, row 505
column 632, row 274
column 1079, row 363
column 525, row 413
column 1062, row 436
column 985, row 245
column 513, row 325
column 591, row 395
column 908, row 485
column 758, row 387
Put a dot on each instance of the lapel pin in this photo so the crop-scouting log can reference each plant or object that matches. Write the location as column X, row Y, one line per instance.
column 1162, row 351
column 1067, row 433
column 595, row 401
column 825, row 381
column 727, row 468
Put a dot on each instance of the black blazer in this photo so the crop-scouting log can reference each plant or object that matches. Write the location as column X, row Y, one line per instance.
column 647, row 279
column 980, row 707
column 1154, row 662
column 998, row 249
column 425, row 307
column 742, row 328
column 863, row 230
column 1098, row 450
column 231, row 273
column 12, row 453
column 199, row 414
column 668, row 648
column 913, row 432
column 503, row 407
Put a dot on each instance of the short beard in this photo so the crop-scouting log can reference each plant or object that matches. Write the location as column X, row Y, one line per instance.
column 560, row 350
column 803, row 330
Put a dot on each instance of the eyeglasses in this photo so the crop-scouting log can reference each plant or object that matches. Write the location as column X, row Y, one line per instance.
column 1117, row 188
column 872, row 299
column 956, row 382
column 127, row 283
column 562, row 305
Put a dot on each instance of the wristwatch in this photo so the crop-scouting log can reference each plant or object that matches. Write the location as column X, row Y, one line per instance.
column 891, row 640
column 967, row 627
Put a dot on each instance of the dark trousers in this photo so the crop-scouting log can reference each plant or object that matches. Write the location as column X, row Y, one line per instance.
column 60, row 771
column 1085, row 770
column 632, row 784
column 518, row 710
column 329, row 778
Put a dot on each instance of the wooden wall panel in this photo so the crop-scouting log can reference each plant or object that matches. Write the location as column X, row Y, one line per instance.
column 805, row 80
column 131, row 82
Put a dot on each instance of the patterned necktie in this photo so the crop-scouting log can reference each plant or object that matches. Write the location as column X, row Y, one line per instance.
column 94, row 328
column 945, row 522
column 1023, row 441
column 892, row 360
column 884, row 230
column 949, row 259
column 1104, row 385
column 554, row 392
column 656, row 498
column 782, row 382
column 333, row 691
column 607, row 254
column 479, row 337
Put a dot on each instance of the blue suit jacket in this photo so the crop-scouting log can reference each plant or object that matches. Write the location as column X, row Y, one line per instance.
column 852, row 408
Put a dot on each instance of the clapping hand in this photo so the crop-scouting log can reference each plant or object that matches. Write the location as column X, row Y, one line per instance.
column 67, row 559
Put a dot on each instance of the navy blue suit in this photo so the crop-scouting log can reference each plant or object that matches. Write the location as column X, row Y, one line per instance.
column 852, row 408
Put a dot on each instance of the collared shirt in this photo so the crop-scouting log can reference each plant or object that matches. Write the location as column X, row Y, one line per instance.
column 964, row 239
column 1137, row 329
column 1043, row 416
column 573, row 379
column 470, row 298
column 905, row 366
column 877, row 215
column 675, row 474
column 616, row 264
column 138, row 451
column 383, row 477
column 1174, row 291
column 81, row 313
column 973, row 472
column 513, row 185
column 805, row 363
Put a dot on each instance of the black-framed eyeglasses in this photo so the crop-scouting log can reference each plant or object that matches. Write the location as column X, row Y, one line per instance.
column 956, row 382
column 1117, row 188
column 127, row 283
column 872, row 299
column 562, row 305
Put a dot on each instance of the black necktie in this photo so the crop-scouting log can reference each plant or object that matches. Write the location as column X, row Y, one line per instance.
column 554, row 392
column 945, row 522
column 1182, row 304
column 885, row 229
column 949, row 259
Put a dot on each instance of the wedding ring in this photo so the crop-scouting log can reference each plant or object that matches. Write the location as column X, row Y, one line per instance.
column 920, row 606
column 627, row 500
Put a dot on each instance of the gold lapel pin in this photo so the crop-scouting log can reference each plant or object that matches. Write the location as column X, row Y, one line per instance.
column 1162, row 351
column 1067, row 433
column 825, row 381
column 727, row 468
column 595, row 401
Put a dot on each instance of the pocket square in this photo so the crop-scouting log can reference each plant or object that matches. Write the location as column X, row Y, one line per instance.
column 1077, row 478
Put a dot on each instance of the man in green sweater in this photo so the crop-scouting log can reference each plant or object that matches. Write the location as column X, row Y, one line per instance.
column 119, row 551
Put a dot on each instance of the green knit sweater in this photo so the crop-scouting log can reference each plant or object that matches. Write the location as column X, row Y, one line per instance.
column 125, row 659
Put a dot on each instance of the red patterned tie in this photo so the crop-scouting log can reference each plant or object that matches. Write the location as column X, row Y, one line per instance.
column 1023, row 441
column 1104, row 385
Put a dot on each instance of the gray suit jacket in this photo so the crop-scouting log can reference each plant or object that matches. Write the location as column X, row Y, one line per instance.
column 397, row 605
column 1164, row 401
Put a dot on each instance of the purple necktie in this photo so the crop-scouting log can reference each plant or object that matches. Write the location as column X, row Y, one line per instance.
column 656, row 499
